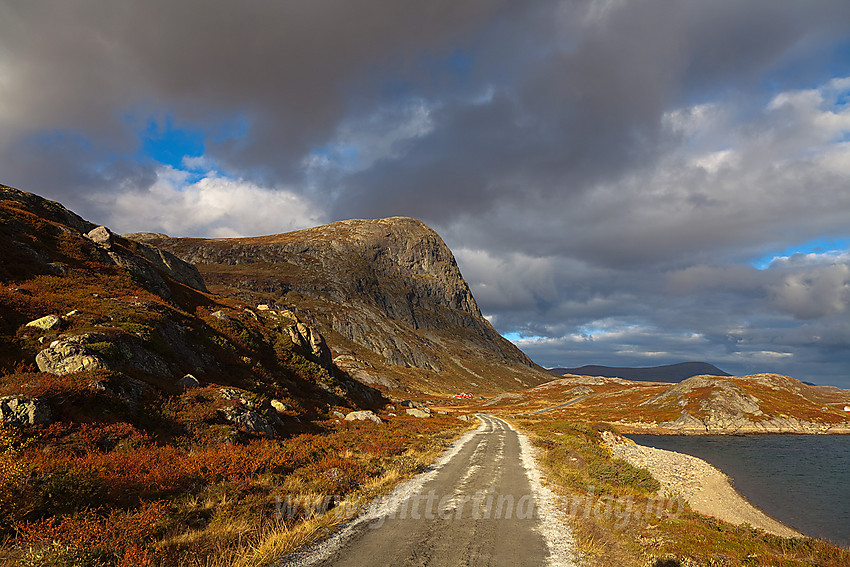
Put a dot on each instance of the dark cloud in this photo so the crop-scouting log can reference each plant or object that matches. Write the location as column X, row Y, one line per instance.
column 606, row 171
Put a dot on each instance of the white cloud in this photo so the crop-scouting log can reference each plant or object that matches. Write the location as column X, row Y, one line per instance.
column 211, row 206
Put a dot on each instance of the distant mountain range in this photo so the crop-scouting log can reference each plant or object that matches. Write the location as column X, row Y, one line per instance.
column 667, row 373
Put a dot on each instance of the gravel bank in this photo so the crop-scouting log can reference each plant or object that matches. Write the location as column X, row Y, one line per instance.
column 706, row 489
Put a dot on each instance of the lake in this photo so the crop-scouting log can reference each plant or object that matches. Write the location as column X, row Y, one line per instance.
column 801, row 480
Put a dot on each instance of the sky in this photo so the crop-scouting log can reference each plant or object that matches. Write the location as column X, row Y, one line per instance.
column 622, row 183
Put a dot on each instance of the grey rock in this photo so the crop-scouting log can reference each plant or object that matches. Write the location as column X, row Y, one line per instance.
column 101, row 236
column 311, row 341
column 416, row 412
column 47, row 323
column 338, row 414
column 365, row 415
column 68, row 355
column 187, row 382
column 220, row 315
column 465, row 417
column 21, row 411
column 250, row 420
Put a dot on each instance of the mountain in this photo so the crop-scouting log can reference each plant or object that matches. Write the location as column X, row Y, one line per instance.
column 387, row 295
column 668, row 373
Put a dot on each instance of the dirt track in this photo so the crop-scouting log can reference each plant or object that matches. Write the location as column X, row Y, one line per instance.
column 480, row 505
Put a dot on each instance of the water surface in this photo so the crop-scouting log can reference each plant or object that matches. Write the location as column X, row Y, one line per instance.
column 801, row 480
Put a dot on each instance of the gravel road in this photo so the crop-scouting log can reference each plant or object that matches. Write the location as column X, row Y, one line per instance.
column 481, row 503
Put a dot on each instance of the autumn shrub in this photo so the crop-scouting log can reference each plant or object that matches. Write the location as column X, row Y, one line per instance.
column 96, row 537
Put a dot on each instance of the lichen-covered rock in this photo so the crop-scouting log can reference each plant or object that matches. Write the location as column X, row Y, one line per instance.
column 101, row 236
column 22, row 411
column 309, row 340
column 279, row 406
column 417, row 412
column 365, row 415
column 68, row 355
column 250, row 420
column 47, row 323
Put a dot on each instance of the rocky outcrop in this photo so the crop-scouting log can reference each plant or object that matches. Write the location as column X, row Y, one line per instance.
column 244, row 413
column 761, row 403
column 69, row 355
column 147, row 263
column 307, row 339
column 22, row 411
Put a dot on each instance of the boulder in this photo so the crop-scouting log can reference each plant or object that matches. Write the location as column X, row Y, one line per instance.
column 220, row 315
column 416, row 412
column 465, row 417
column 22, row 411
column 280, row 406
column 101, row 236
column 47, row 323
column 365, row 415
column 250, row 420
column 187, row 382
column 68, row 355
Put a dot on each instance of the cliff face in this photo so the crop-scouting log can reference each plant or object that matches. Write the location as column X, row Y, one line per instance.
column 386, row 293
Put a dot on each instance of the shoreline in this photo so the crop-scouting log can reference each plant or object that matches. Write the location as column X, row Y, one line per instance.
column 706, row 489
column 638, row 428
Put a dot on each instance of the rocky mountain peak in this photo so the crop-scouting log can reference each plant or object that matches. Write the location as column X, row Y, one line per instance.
column 390, row 286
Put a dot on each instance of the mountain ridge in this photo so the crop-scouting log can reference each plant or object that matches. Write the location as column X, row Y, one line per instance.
column 665, row 373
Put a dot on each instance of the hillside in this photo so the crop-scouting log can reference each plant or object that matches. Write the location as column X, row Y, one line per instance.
column 761, row 403
column 387, row 295
column 146, row 421
column 667, row 373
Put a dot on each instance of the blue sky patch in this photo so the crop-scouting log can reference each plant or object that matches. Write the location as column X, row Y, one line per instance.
column 168, row 144
column 818, row 246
